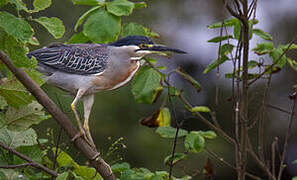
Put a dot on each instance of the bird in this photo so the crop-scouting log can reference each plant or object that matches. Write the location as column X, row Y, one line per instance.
column 84, row 69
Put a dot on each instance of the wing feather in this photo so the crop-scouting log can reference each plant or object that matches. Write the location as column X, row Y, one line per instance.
column 76, row 58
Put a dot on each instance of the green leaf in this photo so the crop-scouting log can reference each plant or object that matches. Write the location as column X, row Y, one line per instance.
column 34, row 41
column 252, row 64
column 263, row 48
column 136, row 174
column 88, row 2
column 137, row 29
column 219, row 38
column 161, row 175
column 164, row 117
column 87, row 173
column 78, row 38
column 294, row 178
column 53, row 25
column 169, row 132
column 208, row 134
column 15, row 94
column 3, row 103
column 146, row 85
column 3, row 2
column 215, row 64
column 84, row 16
column 173, row 91
column 120, row 167
column 139, row 5
column 35, row 75
column 15, row 139
column 16, row 27
column 253, row 21
column 286, row 46
column 227, row 23
column 226, row 49
column 189, row 79
column 10, row 174
column 40, row 5
column 32, row 152
column 292, row 63
column 63, row 176
column 176, row 158
column 64, row 160
column 120, row 7
column 275, row 54
column 102, row 27
column 14, row 49
column 24, row 117
column 200, row 109
column 262, row 34
column 237, row 29
column 194, row 142
column 20, row 5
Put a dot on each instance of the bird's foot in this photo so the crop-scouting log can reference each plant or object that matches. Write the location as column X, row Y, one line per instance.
column 83, row 134
column 78, row 135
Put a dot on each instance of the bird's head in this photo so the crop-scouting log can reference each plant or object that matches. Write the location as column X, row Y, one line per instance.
column 143, row 45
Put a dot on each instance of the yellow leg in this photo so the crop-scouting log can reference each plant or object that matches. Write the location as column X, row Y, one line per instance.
column 88, row 103
column 79, row 94
column 73, row 107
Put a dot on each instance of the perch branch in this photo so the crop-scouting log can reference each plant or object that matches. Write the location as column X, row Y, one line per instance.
column 92, row 155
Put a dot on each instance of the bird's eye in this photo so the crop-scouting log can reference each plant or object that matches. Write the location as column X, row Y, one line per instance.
column 142, row 46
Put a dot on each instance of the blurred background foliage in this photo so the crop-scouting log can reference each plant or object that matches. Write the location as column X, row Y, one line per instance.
column 180, row 24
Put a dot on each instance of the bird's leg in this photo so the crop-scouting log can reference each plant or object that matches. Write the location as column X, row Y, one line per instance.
column 79, row 94
column 88, row 101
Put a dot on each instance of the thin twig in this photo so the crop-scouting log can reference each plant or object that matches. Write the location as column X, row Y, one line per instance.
column 31, row 162
column 259, row 162
column 273, row 149
column 218, row 67
column 177, row 129
column 16, row 166
column 189, row 106
column 262, row 120
column 279, row 109
column 274, row 63
column 220, row 159
column 57, row 147
column 204, row 120
column 288, row 134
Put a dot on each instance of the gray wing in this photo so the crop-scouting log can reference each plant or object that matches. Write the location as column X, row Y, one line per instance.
column 75, row 58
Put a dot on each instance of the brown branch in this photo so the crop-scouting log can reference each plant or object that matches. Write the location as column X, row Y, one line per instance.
column 218, row 158
column 92, row 155
column 15, row 166
column 273, row 149
column 288, row 134
column 31, row 162
column 279, row 109
column 259, row 162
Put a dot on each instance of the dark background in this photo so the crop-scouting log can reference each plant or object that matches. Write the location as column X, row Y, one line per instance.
column 182, row 24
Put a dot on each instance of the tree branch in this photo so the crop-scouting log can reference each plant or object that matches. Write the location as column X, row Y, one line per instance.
column 92, row 155
column 31, row 162
column 288, row 134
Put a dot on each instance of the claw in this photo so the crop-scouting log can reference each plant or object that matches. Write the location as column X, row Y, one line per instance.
column 78, row 135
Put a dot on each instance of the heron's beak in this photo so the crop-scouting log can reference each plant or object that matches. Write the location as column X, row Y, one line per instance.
column 159, row 48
